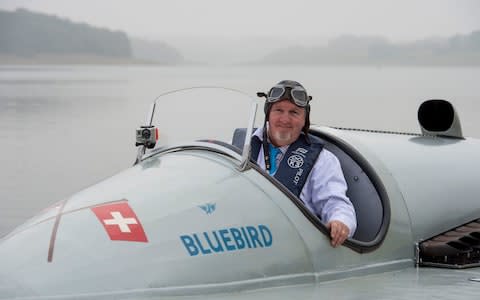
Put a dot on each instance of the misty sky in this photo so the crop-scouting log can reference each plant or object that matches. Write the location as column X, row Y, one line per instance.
column 401, row 20
column 226, row 31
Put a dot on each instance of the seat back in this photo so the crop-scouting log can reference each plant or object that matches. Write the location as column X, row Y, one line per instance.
column 239, row 137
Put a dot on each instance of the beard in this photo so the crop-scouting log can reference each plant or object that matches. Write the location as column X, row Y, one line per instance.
column 282, row 138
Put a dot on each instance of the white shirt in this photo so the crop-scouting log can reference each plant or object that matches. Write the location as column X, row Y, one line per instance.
column 324, row 192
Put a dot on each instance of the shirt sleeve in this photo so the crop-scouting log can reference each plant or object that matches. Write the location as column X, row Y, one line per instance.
column 325, row 192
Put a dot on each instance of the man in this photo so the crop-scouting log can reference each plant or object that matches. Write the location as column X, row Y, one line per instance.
column 310, row 172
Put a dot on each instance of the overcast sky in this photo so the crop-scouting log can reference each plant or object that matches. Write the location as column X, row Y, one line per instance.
column 226, row 31
column 400, row 20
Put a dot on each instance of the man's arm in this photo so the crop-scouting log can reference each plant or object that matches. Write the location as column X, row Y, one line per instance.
column 329, row 200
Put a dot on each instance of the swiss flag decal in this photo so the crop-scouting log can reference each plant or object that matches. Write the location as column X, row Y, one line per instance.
column 120, row 222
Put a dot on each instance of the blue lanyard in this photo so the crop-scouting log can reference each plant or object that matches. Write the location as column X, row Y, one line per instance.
column 274, row 152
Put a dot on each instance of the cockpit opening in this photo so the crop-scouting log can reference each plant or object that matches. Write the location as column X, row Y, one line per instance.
column 365, row 190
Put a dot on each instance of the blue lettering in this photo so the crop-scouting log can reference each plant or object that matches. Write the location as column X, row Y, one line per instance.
column 237, row 237
column 267, row 240
column 203, row 250
column 246, row 237
column 226, row 239
column 252, row 231
column 218, row 247
column 189, row 245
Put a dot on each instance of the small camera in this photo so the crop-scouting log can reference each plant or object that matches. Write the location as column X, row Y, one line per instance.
column 146, row 136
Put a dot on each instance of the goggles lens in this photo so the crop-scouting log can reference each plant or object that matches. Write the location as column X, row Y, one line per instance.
column 275, row 94
column 297, row 94
column 300, row 96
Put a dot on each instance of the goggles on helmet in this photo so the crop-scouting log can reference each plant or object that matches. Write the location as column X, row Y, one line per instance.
column 297, row 94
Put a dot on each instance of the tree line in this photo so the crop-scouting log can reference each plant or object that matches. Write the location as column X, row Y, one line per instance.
column 24, row 33
column 456, row 50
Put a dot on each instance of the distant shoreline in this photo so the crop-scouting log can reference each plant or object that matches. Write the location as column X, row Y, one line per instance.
column 8, row 60
column 73, row 60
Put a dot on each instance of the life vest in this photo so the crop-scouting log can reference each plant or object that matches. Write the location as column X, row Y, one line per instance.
column 297, row 163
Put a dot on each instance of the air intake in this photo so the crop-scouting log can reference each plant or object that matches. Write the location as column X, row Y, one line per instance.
column 439, row 118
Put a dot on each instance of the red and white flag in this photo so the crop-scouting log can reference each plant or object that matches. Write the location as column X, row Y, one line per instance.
column 120, row 222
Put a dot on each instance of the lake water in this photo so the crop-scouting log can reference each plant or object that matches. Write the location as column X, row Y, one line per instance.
column 63, row 128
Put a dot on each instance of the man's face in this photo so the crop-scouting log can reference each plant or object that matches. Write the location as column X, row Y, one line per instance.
column 286, row 121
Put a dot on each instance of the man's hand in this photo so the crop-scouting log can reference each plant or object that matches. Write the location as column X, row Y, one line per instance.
column 338, row 232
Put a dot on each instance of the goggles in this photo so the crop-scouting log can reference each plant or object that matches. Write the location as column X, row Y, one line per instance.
column 297, row 94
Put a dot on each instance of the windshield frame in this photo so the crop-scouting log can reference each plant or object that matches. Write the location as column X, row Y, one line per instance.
column 246, row 151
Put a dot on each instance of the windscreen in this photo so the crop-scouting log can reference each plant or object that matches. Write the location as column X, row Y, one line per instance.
column 202, row 113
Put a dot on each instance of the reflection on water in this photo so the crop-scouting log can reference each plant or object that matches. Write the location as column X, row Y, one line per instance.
column 63, row 128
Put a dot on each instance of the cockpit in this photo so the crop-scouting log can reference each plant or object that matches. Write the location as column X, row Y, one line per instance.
column 364, row 190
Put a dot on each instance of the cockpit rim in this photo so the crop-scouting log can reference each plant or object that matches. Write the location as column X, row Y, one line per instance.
column 367, row 168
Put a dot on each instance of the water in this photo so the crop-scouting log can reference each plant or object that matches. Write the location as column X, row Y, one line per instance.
column 63, row 128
